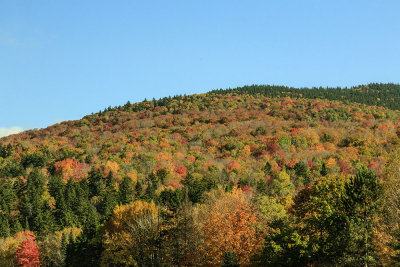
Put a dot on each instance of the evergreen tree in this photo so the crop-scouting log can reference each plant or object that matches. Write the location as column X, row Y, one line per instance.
column 70, row 250
column 86, row 250
column 126, row 191
column 361, row 201
column 323, row 171
column 4, row 226
column 172, row 198
column 16, row 226
column 34, row 208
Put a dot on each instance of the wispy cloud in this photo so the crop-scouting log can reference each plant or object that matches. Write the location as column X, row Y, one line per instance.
column 11, row 130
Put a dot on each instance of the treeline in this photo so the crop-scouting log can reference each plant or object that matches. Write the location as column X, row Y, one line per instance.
column 380, row 94
column 374, row 94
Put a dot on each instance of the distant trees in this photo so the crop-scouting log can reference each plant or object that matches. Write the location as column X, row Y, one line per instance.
column 371, row 94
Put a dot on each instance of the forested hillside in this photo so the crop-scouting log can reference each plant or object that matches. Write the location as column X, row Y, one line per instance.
column 259, row 175
column 380, row 94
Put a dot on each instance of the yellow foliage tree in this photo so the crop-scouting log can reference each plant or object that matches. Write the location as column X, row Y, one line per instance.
column 130, row 235
column 111, row 166
column 8, row 248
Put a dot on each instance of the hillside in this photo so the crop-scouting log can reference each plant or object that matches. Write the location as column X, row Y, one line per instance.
column 258, row 175
column 379, row 94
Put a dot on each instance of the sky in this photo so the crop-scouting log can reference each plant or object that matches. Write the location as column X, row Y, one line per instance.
column 62, row 60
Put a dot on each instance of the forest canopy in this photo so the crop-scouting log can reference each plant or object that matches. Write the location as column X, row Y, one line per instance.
column 257, row 175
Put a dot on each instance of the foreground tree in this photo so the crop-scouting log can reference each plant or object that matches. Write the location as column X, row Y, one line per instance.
column 28, row 252
column 333, row 221
column 362, row 203
column 132, row 236
column 229, row 228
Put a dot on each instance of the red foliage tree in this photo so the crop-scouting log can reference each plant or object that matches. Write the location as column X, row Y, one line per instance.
column 311, row 164
column 28, row 252
column 181, row 170
column 246, row 189
column 272, row 148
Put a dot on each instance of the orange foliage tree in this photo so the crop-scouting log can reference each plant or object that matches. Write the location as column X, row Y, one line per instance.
column 181, row 170
column 69, row 168
column 230, row 227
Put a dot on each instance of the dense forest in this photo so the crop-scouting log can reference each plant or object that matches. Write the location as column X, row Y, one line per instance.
column 252, row 176
column 386, row 95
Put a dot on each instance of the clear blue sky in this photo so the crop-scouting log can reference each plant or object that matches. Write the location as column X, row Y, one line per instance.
column 61, row 60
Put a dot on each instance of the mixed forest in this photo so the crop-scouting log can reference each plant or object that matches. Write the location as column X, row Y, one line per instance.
column 251, row 176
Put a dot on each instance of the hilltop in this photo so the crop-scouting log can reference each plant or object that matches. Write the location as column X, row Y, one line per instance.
column 379, row 94
column 271, row 150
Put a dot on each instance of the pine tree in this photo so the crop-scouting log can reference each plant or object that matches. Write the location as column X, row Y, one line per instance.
column 361, row 201
column 64, row 242
column 323, row 171
column 4, row 226
column 126, row 191
column 17, row 227
column 70, row 250
column 34, row 208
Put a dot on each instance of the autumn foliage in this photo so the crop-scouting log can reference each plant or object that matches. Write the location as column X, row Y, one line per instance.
column 28, row 251
column 71, row 169
column 131, row 228
column 231, row 226
column 240, row 176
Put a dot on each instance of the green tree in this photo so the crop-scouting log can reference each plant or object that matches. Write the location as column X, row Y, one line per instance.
column 35, row 207
column 126, row 191
column 281, row 185
column 318, row 215
column 172, row 198
column 362, row 203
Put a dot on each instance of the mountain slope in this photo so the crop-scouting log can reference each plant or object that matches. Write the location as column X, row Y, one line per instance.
column 179, row 152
